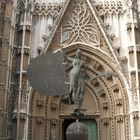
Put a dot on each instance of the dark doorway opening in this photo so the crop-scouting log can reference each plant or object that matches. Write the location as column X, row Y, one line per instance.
column 66, row 123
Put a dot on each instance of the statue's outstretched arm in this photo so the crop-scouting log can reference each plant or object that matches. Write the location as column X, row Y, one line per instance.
column 65, row 56
column 107, row 75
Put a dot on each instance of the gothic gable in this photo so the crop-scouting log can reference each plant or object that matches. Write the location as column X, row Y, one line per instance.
column 80, row 24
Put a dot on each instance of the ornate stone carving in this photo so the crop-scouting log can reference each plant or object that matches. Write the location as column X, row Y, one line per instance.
column 119, row 118
column 110, row 7
column 133, row 81
column 135, row 115
column 115, row 88
column 20, row 5
column 136, row 26
column 53, row 122
column 134, row 90
column 2, row 86
column 105, row 121
column 39, row 49
column 45, row 37
column 128, row 26
column 10, row 132
column 22, row 115
column 102, row 93
column 131, row 49
column 18, row 50
column 40, row 103
column 27, row 27
column 27, row 50
column 124, row 59
column 53, row 106
column 105, row 106
column 14, row 116
column 119, row 102
column 117, row 48
column 112, row 36
column 95, row 83
column 2, row 113
column 79, row 26
column 43, row 9
column 53, row 130
column 109, row 76
column 138, row 48
column 98, row 66
column 39, row 119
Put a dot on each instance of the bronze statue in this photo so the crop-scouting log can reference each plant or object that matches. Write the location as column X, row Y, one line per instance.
column 76, row 80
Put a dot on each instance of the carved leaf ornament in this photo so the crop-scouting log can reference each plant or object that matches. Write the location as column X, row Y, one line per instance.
column 79, row 26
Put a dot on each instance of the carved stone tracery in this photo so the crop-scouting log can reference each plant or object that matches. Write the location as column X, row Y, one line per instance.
column 43, row 9
column 110, row 7
column 53, row 130
column 134, row 90
column 79, row 26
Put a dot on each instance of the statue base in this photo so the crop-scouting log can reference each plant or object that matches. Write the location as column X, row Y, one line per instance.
column 78, row 113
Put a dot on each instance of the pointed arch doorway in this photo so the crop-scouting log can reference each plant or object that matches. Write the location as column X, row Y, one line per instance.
column 90, row 123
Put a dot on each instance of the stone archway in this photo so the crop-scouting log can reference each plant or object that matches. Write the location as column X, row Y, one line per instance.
column 106, row 99
column 109, row 94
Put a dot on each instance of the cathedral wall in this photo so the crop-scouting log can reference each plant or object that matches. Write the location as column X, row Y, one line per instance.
column 5, row 54
column 115, row 101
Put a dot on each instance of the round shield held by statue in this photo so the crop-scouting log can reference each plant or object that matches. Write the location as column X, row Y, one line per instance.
column 46, row 74
column 77, row 131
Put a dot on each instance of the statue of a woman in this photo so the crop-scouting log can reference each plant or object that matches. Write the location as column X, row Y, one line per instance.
column 76, row 80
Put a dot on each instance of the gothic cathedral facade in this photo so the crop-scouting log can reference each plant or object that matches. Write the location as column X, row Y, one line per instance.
column 107, row 32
